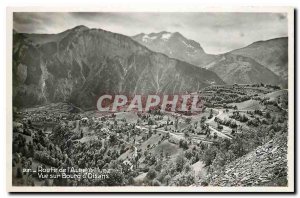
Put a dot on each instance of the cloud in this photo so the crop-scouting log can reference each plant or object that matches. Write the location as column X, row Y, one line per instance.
column 177, row 25
column 216, row 32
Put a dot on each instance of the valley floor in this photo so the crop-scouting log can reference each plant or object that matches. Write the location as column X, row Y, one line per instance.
column 238, row 140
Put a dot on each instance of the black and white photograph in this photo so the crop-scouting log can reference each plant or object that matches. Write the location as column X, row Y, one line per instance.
column 110, row 101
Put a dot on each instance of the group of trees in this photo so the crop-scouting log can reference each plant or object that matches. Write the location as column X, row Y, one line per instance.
column 183, row 144
column 221, row 97
column 239, row 117
column 177, row 172
column 227, row 122
column 19, row 177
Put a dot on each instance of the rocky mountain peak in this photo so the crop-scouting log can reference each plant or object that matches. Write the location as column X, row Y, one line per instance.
column 80, row 28
column 174, row 45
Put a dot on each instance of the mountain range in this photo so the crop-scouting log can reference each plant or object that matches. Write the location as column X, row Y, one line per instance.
column 81, row 64
column 260, row 62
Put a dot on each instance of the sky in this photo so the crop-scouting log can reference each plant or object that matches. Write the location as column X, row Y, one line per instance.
column 216, row 32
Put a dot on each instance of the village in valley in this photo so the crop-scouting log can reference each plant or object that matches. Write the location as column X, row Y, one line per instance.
column 156, row 148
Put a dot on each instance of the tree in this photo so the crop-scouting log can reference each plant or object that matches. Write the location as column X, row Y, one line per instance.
column 268, row 115
column 203, row 119
column 185, row 179
column 207, row 132
column 180, row 161
column 219, row 161
column 19, row 173
column 195, row 125
column 167, row 179
column 186, row 134
column 47, row 182
column 176, row 123
column 237, row 146
column 210, row 114
column 188, row 120
column 113, row 138
column 168, row 135
column 215, row 135
column 151, row 174
column 115, row 178
column 209, row 155
column 183, row 144
column 232, row 132
column 220, row 127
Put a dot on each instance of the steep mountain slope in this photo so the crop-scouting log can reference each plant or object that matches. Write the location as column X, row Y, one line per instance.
column 242, row 70
column 176, row 46
column 81, row 64
column 265, row 166
column 273, row 54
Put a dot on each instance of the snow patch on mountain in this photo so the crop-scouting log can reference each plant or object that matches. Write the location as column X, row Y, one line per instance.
column 146, row 38
column 166, row 36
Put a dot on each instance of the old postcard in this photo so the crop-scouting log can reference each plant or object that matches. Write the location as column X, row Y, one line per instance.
column 150, row 100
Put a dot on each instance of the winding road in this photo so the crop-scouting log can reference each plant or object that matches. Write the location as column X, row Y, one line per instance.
column 220, row 134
